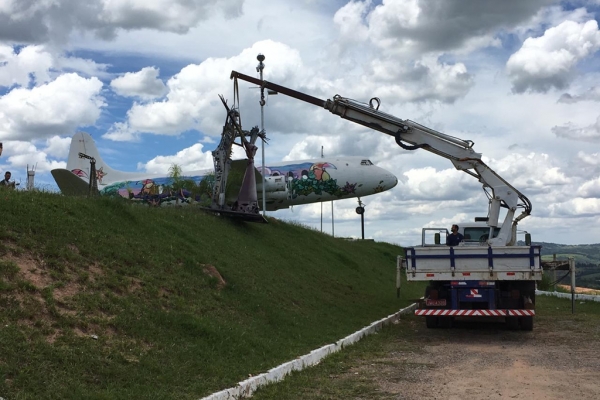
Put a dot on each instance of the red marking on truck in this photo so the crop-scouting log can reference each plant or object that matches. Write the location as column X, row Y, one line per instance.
column 435, row 303
column 429, row 275
column 474, row 294
column 475, row 313
column 466, row 274
column 521, row 313
column 510, row 273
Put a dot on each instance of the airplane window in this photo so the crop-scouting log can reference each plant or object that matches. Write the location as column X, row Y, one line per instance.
column 366, row 162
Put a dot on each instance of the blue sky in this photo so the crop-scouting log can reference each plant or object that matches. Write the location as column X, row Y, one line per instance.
column 143, row 78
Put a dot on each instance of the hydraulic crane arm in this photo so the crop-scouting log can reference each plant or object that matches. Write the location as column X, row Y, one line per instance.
column 411, row 136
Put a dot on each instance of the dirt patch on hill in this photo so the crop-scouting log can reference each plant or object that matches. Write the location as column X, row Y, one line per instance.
column 581, row 290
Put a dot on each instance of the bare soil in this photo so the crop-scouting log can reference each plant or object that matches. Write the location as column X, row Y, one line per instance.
column 477, row 360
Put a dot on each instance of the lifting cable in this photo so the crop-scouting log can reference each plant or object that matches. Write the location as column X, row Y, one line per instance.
column 559, row 279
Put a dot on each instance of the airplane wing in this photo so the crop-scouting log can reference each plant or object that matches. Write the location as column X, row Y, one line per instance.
column 69, row 183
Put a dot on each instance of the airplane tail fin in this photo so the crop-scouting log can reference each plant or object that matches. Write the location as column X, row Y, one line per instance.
column 83, row 143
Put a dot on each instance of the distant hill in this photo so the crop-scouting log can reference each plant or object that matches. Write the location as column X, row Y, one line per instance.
column 587, row 260
column 583, row 253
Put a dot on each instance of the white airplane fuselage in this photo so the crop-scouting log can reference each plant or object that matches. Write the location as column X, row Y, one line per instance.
column 286, row 183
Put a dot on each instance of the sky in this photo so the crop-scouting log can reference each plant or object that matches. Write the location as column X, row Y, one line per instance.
column 521, row 79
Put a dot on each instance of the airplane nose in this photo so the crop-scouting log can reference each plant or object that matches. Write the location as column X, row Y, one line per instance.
column 393, row 181
column 389, row 179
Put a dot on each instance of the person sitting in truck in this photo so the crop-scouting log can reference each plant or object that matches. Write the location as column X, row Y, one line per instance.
column 454, row 238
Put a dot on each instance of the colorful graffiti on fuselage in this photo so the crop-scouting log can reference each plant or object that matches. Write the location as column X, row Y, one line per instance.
column 153, row 191
column 308, row 178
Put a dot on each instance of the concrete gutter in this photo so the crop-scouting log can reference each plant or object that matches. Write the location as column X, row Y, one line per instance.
column 581, row 297
column 247, row 387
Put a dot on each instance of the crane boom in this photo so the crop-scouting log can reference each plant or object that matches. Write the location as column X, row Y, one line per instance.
column 412, row 136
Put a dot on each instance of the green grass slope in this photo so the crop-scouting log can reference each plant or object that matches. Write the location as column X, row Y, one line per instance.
column 102, row 299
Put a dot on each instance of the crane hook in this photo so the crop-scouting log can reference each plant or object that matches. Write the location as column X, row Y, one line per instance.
column 375, row 100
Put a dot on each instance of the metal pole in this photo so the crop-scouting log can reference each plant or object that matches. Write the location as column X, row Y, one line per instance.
column 572, row 269
column 554, row 269
column 260, row 68
column 332, row 224
column 362, row 225
column 321, row 202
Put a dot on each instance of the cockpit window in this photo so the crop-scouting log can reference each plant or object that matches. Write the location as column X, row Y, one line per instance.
column 366, row 162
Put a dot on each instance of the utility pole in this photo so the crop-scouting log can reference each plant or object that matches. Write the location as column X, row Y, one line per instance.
column 361, row 211
column 260, row 68
column 321, row 202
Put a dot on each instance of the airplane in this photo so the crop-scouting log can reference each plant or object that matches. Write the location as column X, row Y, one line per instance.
column 287, row 183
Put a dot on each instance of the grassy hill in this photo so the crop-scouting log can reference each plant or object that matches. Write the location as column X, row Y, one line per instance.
column 583, row 253
column 103, row 299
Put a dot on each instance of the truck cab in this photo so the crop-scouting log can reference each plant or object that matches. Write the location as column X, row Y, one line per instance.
column 474, row 234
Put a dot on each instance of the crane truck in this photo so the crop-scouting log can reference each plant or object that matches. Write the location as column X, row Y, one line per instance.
column 487, row 276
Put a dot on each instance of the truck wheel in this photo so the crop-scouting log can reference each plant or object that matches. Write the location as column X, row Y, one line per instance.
column 512, row 323
column 527, row 323
column 445, row 322
column 431, row 322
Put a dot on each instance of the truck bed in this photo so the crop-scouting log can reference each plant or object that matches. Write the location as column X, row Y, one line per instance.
column 473, row 263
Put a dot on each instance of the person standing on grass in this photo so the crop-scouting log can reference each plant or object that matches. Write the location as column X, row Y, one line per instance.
column 6, row 181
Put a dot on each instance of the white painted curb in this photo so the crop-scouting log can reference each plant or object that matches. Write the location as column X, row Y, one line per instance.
column 561, row 295
column 248, row 387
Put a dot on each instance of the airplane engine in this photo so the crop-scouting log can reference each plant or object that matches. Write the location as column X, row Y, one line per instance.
column 272, row 184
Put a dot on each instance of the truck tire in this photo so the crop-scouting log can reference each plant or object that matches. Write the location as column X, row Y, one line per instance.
column 445, row 322
column 512, row 323
column 431, row 322
column 526, row 323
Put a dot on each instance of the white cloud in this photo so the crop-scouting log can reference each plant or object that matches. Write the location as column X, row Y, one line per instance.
column 193, row 101
column 189, row 159
column 533, row 173
column 592, row 94
column 576, row 207
column 56, row 108
column 58, row 147
column 546, row 62
column 144, row 84
column 168, row 15
column 349, row 21
column 121, row 132
column 29, row 65
column 37, row 64
column 427, row 183
column 20, row 154
column 590, row 189
column 590, row 159
column 54, row 20
column 589, row 133
column 418, row 26
column 83, row 66
column 425, row 79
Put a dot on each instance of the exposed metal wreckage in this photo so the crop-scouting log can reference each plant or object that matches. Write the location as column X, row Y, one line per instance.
column 246, row 206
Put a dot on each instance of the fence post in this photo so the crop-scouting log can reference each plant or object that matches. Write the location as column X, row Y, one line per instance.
column 573, row 285
column 554, row 270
